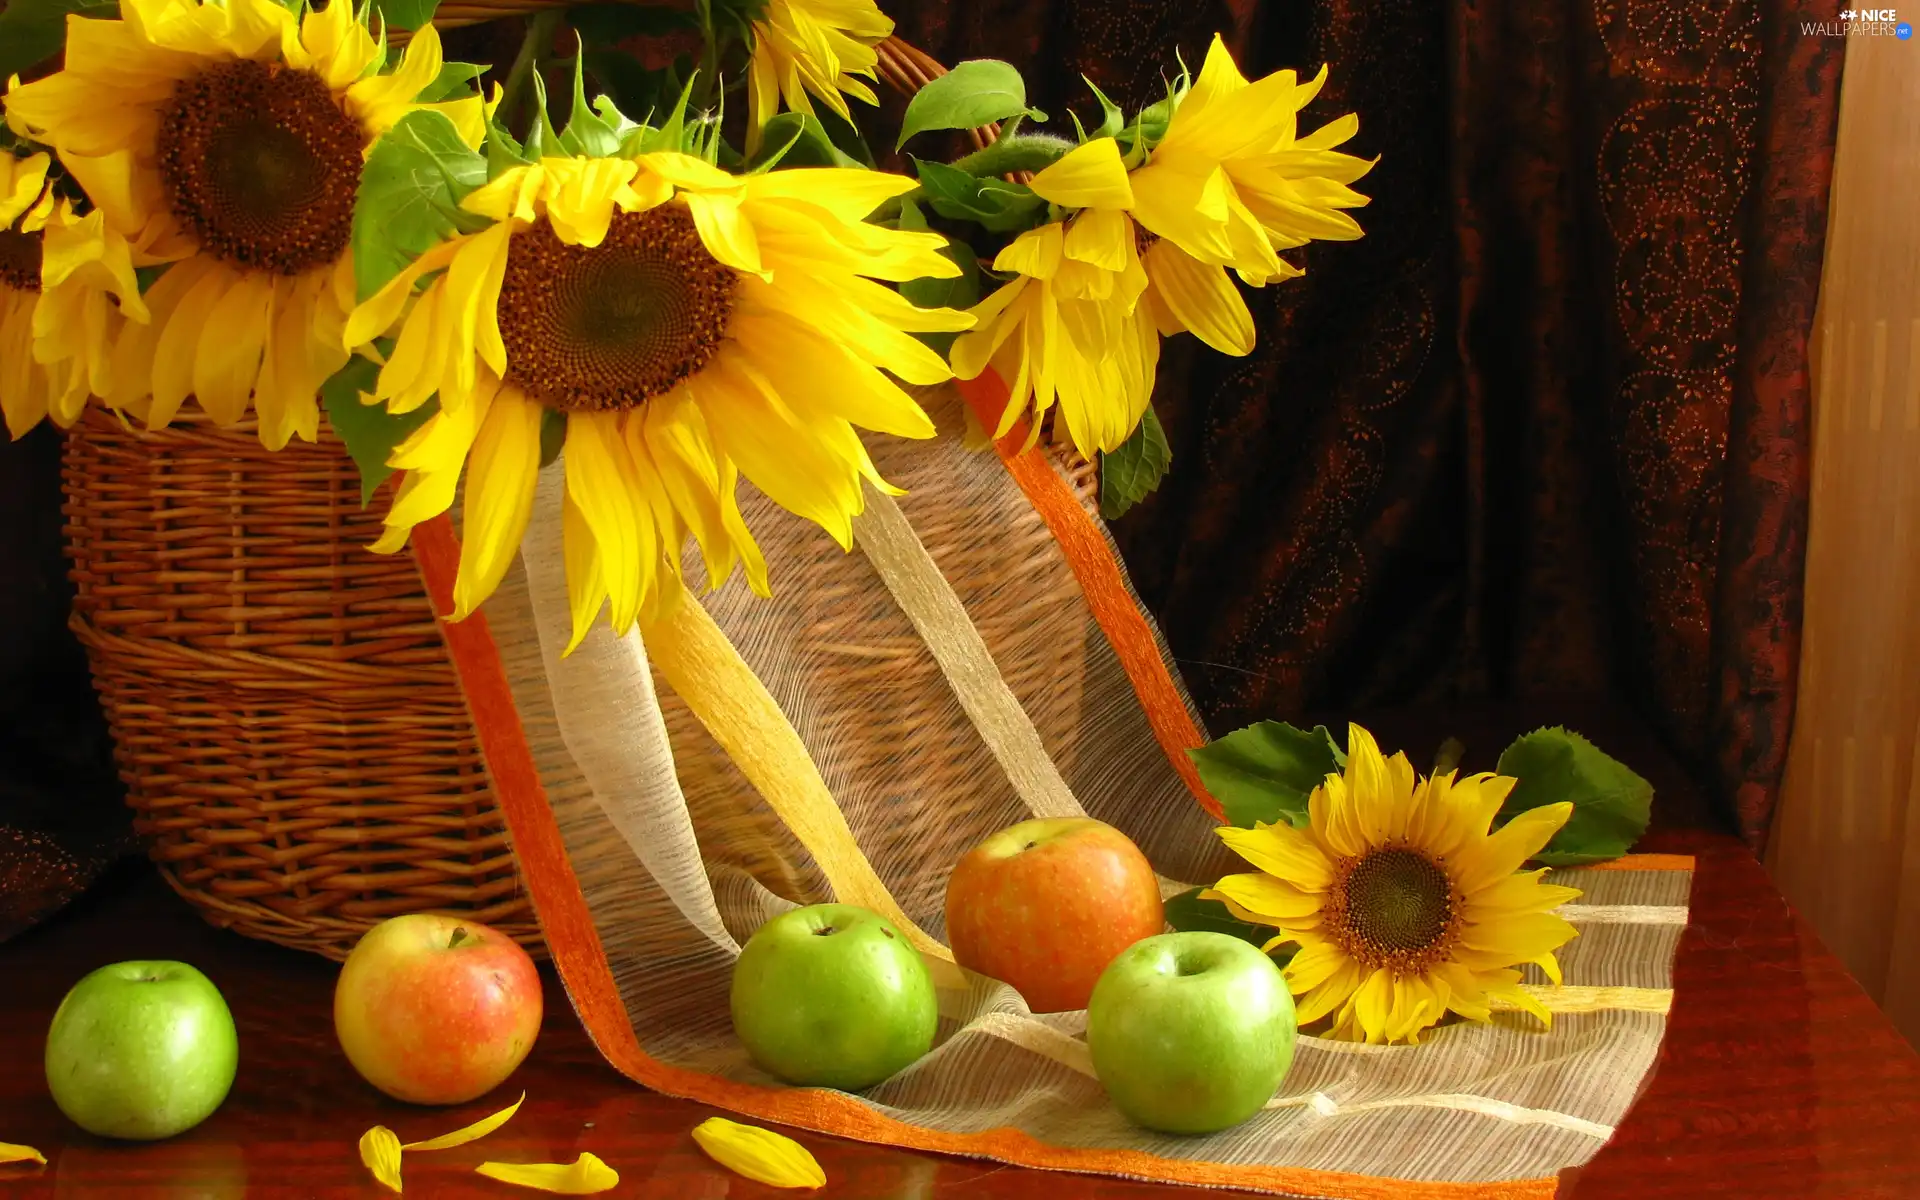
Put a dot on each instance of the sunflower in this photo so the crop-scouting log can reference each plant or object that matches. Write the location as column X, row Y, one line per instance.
column 1404, row 907
column 689, row 326
column 1230, row 184
column 1141, row 254
column 60, row 278
column 227, row 139
column 1070, row 328
column 811, row 46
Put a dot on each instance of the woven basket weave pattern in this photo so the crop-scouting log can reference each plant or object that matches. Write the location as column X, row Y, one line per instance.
column 292, row 738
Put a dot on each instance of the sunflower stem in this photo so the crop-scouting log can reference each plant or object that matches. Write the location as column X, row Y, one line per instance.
column 538, row 41
column 1026, row 152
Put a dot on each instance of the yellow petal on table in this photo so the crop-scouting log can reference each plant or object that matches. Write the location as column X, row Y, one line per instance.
column 10, row 1153
column 473, row 1132
column 759, row 1154
column 380, row 1150
column 582, row 1177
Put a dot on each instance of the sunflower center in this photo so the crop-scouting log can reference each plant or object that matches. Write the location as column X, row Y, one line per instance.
column 602, row 328
column 19, row 260
column 1393, row 907
column 260, row 164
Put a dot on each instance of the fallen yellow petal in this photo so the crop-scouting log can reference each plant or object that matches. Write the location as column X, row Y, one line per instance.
column 10, row 1153
column 582, row 1177
column 380, row 1150
column 473, row 1132
column 759, row 1154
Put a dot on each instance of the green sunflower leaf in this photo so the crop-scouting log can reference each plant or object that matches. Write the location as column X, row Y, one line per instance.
column 1131, row 472
column 368, row 431
column 406, row 14
column 1187, row 912
column 410, row 191
column 588, row 134
column 994, row 204
column 794, row 139
column 1611, row 804
column 1111, row 120
column 972, row 94
column 32, row 31
column 454, row 81
column 1264, row 773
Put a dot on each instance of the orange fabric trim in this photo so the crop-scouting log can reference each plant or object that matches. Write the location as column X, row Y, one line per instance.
column 1101, row 580
column 1642, row 862
column 577, row 954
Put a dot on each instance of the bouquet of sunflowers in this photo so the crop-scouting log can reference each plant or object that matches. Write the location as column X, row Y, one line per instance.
column 264, row 208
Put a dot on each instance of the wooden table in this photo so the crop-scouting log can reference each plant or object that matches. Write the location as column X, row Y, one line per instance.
column 1779, row 1078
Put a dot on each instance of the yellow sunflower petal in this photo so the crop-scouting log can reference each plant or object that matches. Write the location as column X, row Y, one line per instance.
column 1273, row 900
column 1036, row 253
column 179, row 335
column 1201, row 298
column 22, row 181
column 1103, row 238
column 1314, row 965
column 517, row 192
column 11, row 1152
column 471, row 1133
column 338, row 48
column 1335, row 825
column 379, row 101
column 501, row 474
column 1522, row 892
column 1462, row 812
column 1373, row 1005
column 759, row 1154
column 581, row 195
column 380, row 1151
column 1089, row 176
column 1335, row 991
column 847, row 193
column 725, row 232
column 1511, row 939
column 584, row 1176
column 1283, row 852
column 601, row 483
column 226, row 360
column 1551, row 966
column 586, row 582
column 1480, row 864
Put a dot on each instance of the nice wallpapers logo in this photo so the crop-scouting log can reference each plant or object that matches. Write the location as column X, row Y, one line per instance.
column 1861, row 22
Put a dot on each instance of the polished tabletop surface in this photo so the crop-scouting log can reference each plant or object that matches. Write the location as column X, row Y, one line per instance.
column 1778, row 1077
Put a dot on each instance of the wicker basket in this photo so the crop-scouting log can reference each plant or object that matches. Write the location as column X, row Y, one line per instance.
column 292, row 738
column 293, row 741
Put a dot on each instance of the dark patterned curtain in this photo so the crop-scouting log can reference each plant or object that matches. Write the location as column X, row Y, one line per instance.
column 1544, row 430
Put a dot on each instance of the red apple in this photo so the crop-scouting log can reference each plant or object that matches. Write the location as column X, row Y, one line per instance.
column 1047, row 904
column 436, row 1010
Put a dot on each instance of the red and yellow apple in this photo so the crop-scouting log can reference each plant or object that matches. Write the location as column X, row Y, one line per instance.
column 433, row 1009
column 1046, row 904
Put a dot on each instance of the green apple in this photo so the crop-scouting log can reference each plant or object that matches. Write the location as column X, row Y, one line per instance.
column 831, row 995
column 141, row 1050
column 1191, row 1032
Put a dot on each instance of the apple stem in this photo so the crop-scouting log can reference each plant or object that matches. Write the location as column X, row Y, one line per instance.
column 459, row 935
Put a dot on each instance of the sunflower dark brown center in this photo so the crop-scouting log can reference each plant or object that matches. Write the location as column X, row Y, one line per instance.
column 1393, row 907
column 602, row 328
column 19, row 260
column 260, row 164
